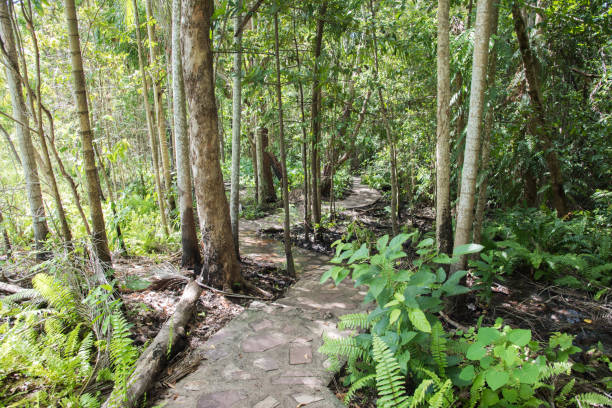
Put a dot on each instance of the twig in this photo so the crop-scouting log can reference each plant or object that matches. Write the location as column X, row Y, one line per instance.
column 452, row 322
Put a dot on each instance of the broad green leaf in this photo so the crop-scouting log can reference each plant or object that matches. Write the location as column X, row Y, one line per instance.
column 467, row 249
column 362, row 253
column 487, row 335
column 528, row 374
column 467, row 373
column 395, row 314
column 476, row 351
column 496, row 378
column 520, row 337
column 398, row 240
column 381, row 244
column 425, row 243
column 418, row 319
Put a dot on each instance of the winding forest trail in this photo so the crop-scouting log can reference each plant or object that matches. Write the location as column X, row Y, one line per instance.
column 267, row 356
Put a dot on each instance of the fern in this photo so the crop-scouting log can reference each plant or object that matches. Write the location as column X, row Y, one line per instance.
column 389, row 381
column 438, row 347
column 122, row 351
column 420, row 393
column 367, row 381
column 346, row 347
column 55, row 293
column 444, row 397
column 354, row 321
column 592, row 398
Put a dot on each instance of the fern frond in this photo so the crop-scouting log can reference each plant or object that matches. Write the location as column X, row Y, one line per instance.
column 438, row 347
column 444, row 397
column 567, row 388
column 54, row 292
column 354, row 321
column 122, row 351
column 367, row 381
column 592, row 398
column 389, row 381
column 555, row 369
column 420, row 393
column 346, row 347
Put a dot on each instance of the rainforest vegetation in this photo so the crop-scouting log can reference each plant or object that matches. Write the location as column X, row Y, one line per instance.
column 142, row 140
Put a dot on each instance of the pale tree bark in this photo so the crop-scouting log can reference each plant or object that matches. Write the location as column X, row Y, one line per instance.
column 304, row 144
column 22, row 130
column 315, row 118
column 9, row 142
column 98, row 237
column 8, row 251
column 37, row 114
column 465, row 208
column 540, row 126
column 159, row 108
column 486, row 135
column 220, row 264
column 149, row 118
column 191, row 251
column 281, row 142
column 236, row 116
column 444, row 224
column 388, row 132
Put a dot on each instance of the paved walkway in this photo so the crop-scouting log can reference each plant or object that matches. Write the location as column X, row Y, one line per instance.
column 267, row 356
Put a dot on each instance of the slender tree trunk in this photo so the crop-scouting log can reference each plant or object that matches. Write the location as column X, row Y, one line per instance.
column 316, row 119
column 266, row 193
column 9, row 142
column 253, row 149
column 444, row 223
column 465, row 213
column 540, row 124
column 236, row 114
column 8, row 251
column 221, row 265
column 189, row 240
column 98, row 237
column 486, row 135
column 37, row 114
column 159, row 109
column 390, row 138
column 149, row 118
column 304, row 144
column 281, row 142
column 30, row 169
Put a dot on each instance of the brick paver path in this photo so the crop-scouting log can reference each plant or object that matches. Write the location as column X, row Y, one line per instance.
column 267, row 356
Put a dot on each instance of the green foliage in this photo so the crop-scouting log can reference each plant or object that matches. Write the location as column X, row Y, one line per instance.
column 403, row 343
column 58, row 350
column 569, row 251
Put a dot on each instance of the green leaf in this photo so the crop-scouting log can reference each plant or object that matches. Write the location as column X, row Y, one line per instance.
column 398, row 240
column 528, row 374
column 443, row 259
column 489, row 398
column 496, row 378
column 520, row 337
column 467, row 249
column 467, row 373
column 476, row 351
column 381, row 244
column 362, row 253
column 425, row 243
column 395, row 314
column 376, row 287
column 419, row 321
column 487, row 335
column 510, row 394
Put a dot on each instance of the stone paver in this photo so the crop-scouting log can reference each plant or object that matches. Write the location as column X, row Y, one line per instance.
column 267, row 356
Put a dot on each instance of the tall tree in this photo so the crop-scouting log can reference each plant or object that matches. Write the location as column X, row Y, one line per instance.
column 236, row 114
column 149, row 118
column 315, row 118
column 281, row 142
column 444, row 224
column 159, row 107
column 220, row 264
column 539, row 126
column 189, row 240
column 30, row 169
column 465, row 208
column 98, row 236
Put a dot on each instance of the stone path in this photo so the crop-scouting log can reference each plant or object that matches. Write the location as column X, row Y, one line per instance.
column 267, row 356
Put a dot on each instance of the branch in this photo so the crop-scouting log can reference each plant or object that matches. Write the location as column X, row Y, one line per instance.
column 247, row 17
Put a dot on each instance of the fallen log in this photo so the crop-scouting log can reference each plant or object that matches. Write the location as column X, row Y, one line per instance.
column 154, row 358
column 10, row 288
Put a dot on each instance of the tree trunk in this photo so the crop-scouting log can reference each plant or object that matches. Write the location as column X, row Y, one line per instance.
column 220, row 262
column 9, row 142
column 8, row 251
column 266, row 193
column 389, row 134
column 465, row 208
column 30, row 170
column 159, row 109
column 540, row 125
column 236, row 114
column 155, row 356
column 98, row 237
column 253, row 150
column 316, row 119
column 281, row 142
column 486, row 135
column 38, row 119
column 189, row 240
column 304, row 144
column 444, row 223
column 150, row 128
